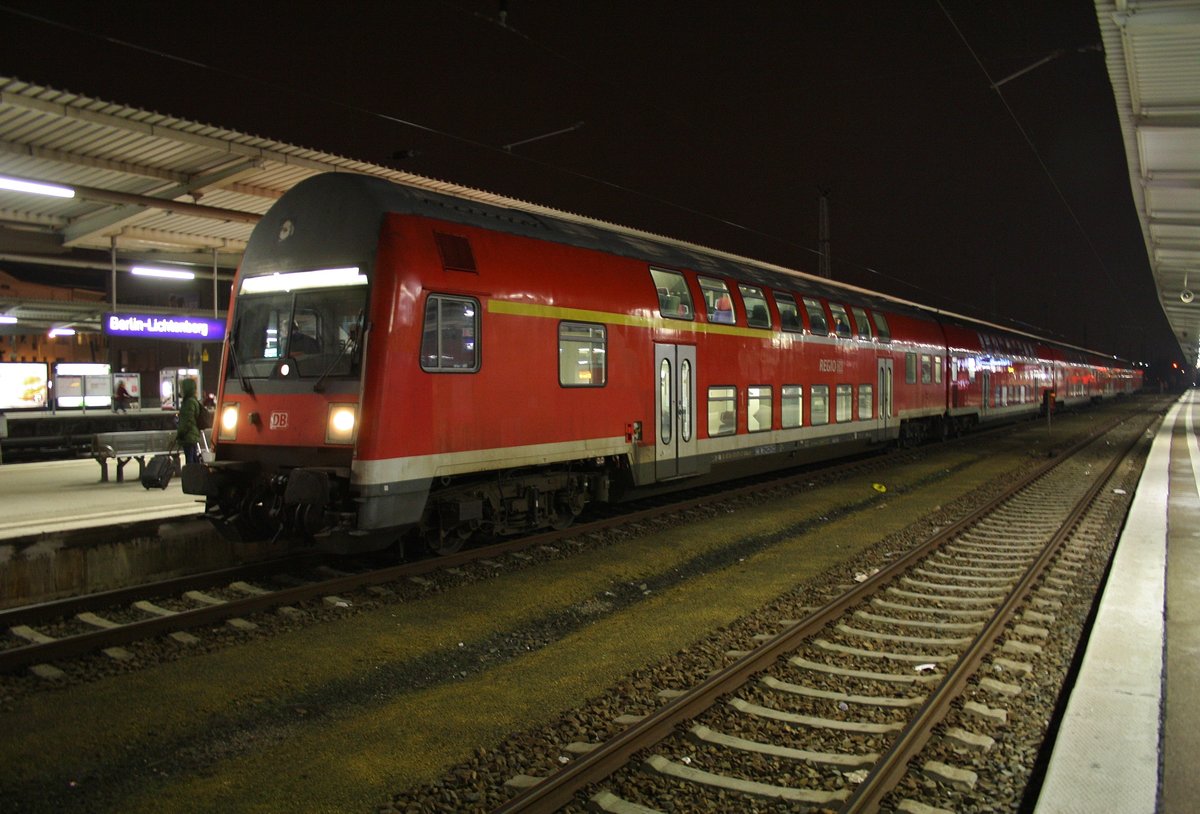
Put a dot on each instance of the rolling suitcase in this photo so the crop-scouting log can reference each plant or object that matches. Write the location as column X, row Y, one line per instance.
column 158, row 472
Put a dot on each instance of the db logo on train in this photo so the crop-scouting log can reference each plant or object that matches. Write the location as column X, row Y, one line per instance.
column 279, row 421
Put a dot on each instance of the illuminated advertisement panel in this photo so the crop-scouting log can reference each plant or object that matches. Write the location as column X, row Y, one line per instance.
column 161, row 326
column 23, row 385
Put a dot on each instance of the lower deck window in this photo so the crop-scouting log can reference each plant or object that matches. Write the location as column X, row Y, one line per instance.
column 758, row 409
column 845, row 403
column 820, row 404
column 866, row 402
column 582, row 354
column 722, row 410
column 792, row 405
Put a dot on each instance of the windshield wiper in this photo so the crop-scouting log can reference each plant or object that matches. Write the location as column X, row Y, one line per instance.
column 237, row 363
column 352, row 342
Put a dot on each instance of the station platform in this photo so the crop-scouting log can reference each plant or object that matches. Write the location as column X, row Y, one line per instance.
column 1130, row 734
column 55, row 496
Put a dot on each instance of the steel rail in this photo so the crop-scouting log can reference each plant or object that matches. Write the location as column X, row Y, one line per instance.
column 92, row 641
column 70, row 647
column 893, row 764
column 561, row 787
column 71, row 605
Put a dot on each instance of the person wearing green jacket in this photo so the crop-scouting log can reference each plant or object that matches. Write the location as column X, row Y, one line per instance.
column 188, row 432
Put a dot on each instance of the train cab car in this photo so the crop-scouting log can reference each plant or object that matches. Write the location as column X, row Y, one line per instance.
column 402, row 364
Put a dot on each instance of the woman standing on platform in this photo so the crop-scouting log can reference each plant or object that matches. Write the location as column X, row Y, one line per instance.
column 188, row 433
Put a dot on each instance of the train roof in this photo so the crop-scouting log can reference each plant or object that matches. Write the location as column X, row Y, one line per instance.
column 357, row 203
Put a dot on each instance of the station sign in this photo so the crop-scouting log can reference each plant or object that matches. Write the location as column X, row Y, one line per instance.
column 162, row 326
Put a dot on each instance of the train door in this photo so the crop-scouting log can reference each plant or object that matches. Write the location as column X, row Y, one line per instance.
column 885, row 394
column 675, row 424
column 986, row 401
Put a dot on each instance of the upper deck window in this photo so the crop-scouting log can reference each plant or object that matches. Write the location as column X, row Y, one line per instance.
column 861, row 323
column 757, row 314
column 718, row 305
column 674, row 298
column 841, row 322
column 881, row 326
column 816, row 317
column 789, row 314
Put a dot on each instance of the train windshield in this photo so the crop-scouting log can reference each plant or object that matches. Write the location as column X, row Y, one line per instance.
column 319, row 328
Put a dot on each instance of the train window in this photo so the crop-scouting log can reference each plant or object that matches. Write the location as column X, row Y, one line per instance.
column 861, row 324
column 881, row 327
column 665, row 420
column 318, row 329
column 910, row 368
column 820, row 403
column 685, row 396
column 845, row 403
column 789, row 314
column 937, row 369
column 926, row 368
column 758, row 408
column 674, row 299
column 448, row 342
column 816, row 317
column 722, row 410
column 841, row 322
column 757, row 315
column 718, row 305
column 582, row 354
column 866, row 402
column 792, row 405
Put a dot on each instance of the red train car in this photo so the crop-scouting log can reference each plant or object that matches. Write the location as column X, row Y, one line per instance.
column 400, row 362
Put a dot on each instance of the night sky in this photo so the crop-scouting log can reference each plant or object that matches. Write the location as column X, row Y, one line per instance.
column 713, row 122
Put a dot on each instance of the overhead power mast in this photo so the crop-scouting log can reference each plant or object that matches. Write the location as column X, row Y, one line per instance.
column 823, row 227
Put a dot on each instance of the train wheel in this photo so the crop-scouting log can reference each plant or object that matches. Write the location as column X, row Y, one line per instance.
column 564, row 515
column 444, row 542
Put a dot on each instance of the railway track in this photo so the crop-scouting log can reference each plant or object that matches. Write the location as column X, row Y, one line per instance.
column 42, row 638
column 836, row 709
column 43, row 635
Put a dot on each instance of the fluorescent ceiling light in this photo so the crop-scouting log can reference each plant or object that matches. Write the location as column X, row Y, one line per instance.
column 6, row 320
column 62, row 332
column 295, row 280
column 18, row 185
column 170, row 274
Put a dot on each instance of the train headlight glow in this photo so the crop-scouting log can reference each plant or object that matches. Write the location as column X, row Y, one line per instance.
column 339, row 429
column 229, row 421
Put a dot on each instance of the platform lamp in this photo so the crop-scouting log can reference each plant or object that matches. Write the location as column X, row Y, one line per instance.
column 164, row 273
column 35, row 187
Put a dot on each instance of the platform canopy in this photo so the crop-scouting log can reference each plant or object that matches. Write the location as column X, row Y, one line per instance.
column 164, row 191
column 1153, row 52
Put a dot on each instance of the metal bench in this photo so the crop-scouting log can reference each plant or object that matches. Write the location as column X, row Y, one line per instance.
column 123, row 447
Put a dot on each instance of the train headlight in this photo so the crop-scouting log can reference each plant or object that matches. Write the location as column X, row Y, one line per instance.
column 339, row 428
column 229, row 422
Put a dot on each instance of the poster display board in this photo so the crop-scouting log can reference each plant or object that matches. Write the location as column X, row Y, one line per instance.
column 24, row 385
column 82, row 385
column 169, row 381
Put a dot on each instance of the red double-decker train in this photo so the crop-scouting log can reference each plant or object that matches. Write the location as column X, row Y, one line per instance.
column 403, row 363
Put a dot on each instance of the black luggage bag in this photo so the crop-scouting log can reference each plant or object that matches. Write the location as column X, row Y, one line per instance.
column 159, row 471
